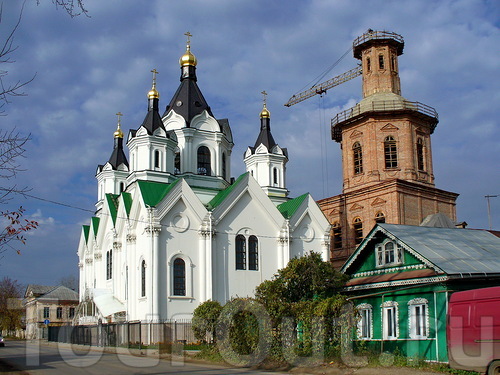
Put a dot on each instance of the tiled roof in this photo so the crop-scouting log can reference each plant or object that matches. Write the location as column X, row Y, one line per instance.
column 219, row 198
column 288, row 208
column 153, row 192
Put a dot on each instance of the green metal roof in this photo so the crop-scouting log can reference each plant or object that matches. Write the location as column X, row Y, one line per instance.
column 112, row 200
column 95, row 224
column 153, row 192
column 127, row 199
column 86, row 230
column 287, row 209
column 219, row 198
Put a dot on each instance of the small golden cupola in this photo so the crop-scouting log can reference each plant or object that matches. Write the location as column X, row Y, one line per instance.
column 153, row 93
column 188, row 59
column 265, row 112
column 118, row 133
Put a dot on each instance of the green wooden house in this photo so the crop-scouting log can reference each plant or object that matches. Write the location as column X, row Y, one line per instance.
column 402, row 277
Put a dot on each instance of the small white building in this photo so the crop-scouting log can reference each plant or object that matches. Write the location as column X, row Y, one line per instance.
column 173, row 229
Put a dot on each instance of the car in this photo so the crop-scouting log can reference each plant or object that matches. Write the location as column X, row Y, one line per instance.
column 2, row 342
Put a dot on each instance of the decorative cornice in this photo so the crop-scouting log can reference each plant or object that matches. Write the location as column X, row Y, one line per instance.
column 97, row 255
column 117, row 245
column 89, row 260
column 153, row 230
column 426, row 280
column 388, row 270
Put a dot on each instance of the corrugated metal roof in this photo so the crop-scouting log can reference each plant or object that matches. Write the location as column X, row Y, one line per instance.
column 219, row 198
column 455, row 251
column 287, row 209
column 61, row 293
column 153, row 192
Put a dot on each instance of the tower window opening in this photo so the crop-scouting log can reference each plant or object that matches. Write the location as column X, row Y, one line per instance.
column 275, row 176
column 337, row 236
column 109, row 265
column 368, row 64
column 157, row 159
column 177, row 162
column 224, row 166
column 358, row 230
column 122, row 187
column 380, row 217
column 358, row 158
column 390, row 152
column 381, row 63
column 204, row 167
column 420, row 154
column 393, row 63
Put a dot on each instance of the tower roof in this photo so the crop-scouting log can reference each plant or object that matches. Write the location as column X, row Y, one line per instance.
column 153, row 121
column 265, row 137
column 118, row 157
column 188, row 101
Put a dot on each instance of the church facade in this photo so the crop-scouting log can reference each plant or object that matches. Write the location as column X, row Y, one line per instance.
column 388, row 174
column 172, row 228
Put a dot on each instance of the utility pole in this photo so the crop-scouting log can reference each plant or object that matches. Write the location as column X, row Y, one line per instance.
column 489, row 209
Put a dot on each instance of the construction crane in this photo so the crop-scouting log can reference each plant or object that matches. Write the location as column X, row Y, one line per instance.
column 323, row 87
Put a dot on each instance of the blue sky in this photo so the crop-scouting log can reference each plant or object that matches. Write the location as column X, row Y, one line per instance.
column 89, row 68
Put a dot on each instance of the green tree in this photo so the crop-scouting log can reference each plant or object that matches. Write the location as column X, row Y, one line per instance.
column 11, row 310
column 205, row 320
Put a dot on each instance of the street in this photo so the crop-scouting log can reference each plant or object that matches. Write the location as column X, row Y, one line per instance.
column 54, row 359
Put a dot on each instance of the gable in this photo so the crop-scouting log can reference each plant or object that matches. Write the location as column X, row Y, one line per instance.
column 153, row 192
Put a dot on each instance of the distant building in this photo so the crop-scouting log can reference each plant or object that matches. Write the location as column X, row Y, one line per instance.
column 402, row 277
column 173, row 229
column 48, row 306
column 388, row 176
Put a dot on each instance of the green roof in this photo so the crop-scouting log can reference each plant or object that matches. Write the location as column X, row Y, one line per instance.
column 153, row 192
column 95, row 224
column 287, row 209
column 219, row 198
column 127, row 199
column 86, row 230
column 113, row 205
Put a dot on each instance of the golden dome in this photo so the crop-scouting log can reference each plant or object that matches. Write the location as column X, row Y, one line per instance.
column 188, row 58
column 118, row 133
column 153, row 93
column 265, row 113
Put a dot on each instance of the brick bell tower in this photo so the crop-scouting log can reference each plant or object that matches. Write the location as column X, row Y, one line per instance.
column 386, row 153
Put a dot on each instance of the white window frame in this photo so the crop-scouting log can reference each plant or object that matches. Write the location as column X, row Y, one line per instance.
column 390, row 320
column 381, row 253
column 365, row 322
column 188, row 264
column 418, row 318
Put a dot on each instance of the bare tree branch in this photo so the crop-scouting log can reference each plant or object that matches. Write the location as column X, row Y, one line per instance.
column 73, row 7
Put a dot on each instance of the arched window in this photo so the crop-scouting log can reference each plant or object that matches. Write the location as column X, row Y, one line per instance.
column 388, row 254
column 358, row 230
column 204, row 161
column 143, row 278
column 381, row 63
column 380, row 217
column 109, row 265
column 177, row 161
column 253, row 253
column 224, row 166
column 275, row 176
column 358, row 158
column 420, row 154
column 337, row 236
column 241, row 252
column 390, row 152
column 157, row 159
column 179, row 277
column 368, row 64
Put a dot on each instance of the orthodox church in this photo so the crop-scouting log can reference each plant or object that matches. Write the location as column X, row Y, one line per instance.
column 172, row 229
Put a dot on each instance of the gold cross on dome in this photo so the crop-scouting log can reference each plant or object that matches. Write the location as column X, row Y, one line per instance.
column 119, row 114
column 155, row 72
column 264, row 97
column 189, row 35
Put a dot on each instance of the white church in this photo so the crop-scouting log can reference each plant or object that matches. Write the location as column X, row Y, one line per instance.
column 172, row 229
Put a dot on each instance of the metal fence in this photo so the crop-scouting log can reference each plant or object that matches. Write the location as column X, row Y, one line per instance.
column 128, row 334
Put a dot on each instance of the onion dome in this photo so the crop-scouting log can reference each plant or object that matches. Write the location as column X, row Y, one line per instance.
column 118, row 133
column 265, row 112
column 188, row 58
